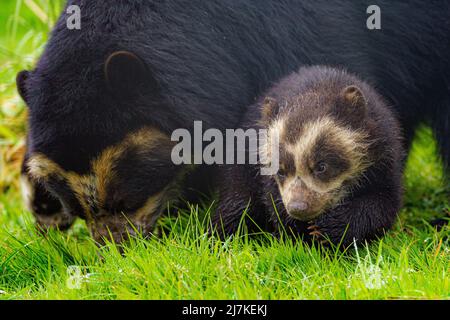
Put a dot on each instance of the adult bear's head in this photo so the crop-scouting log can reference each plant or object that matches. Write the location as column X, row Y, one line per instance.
column 99, row 138
column 104, row 100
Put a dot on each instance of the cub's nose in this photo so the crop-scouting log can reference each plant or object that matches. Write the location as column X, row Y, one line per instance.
column 297, row 207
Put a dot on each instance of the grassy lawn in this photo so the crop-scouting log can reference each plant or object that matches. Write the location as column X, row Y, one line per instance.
column 412, row 261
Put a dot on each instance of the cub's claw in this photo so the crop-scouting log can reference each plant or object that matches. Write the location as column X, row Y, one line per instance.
column 314, row 231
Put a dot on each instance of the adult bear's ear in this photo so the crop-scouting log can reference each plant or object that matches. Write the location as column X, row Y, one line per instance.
column 269, row 110
column 21, row 83
column 127, row 75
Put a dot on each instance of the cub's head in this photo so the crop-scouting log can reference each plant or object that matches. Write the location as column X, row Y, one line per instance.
column 322, row 141
column 93, row 149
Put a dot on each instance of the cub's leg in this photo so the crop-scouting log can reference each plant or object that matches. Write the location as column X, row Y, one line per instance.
column 360, row 218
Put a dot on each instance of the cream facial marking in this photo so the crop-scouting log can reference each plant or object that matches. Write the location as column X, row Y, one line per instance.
column 275, row 136
column 90, row 189
column 349, row 143
column 277, row 127
column 120, row 227
column 27, row 191
column 151, row 205
column 301, row 187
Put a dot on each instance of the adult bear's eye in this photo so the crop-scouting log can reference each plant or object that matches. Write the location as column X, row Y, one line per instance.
column 125, row 208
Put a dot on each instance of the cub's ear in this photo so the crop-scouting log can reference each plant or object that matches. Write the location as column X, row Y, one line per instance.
column 354, row 97
column 269, row 109
column 354, row 103
column 21, row 83
column 127, row 75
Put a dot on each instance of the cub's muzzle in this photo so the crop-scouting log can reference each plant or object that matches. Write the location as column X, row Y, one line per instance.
column 301, row 202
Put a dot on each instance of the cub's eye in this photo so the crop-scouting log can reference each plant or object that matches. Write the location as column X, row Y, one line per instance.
column 320, row 168
column 281, row 173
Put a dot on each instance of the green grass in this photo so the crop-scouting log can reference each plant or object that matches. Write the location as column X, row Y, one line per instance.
column 412, row 261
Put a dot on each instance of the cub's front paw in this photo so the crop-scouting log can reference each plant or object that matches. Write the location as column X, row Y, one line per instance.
column 316, row 234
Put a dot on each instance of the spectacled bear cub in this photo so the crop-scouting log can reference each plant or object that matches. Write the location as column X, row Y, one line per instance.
column 104, row 100
column 340, row 160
